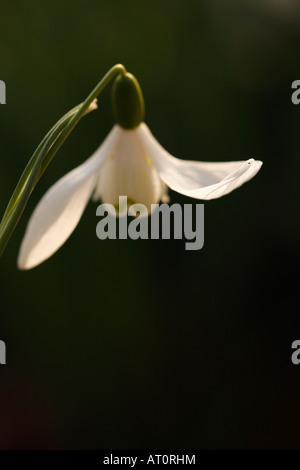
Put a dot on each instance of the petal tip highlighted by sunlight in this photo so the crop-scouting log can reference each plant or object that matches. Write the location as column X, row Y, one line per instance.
column 200, row 180
column 54, row 219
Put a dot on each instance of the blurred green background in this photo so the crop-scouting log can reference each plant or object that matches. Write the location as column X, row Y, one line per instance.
column 141, row 344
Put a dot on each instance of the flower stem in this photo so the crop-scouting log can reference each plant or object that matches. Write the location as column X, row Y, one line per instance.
column 28, row 180
column 115, row 70
column 44, row 154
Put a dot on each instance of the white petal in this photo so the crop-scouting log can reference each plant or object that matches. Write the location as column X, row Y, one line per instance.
column 129, row 172
column 60, row 209
column 200, row 180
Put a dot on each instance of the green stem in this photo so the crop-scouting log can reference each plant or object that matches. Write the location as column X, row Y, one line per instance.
column 43, row 156
column 115, row 70
column 27, row 183
column 24, row 177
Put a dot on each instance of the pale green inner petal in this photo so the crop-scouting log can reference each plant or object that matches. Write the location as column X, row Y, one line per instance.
column 129, row 172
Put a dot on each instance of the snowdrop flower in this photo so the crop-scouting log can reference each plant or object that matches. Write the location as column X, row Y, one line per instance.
column 129, row 162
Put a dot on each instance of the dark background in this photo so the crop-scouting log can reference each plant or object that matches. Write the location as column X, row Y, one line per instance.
column 141, row 344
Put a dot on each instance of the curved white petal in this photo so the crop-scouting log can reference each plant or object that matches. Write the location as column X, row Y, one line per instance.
column 60, row 209
column 200, row 180
column 129, row 172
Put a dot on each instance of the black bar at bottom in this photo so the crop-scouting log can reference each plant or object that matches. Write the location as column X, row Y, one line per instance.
column 133, row 459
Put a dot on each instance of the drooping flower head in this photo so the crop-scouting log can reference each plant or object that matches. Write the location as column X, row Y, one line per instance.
column 129, row 162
